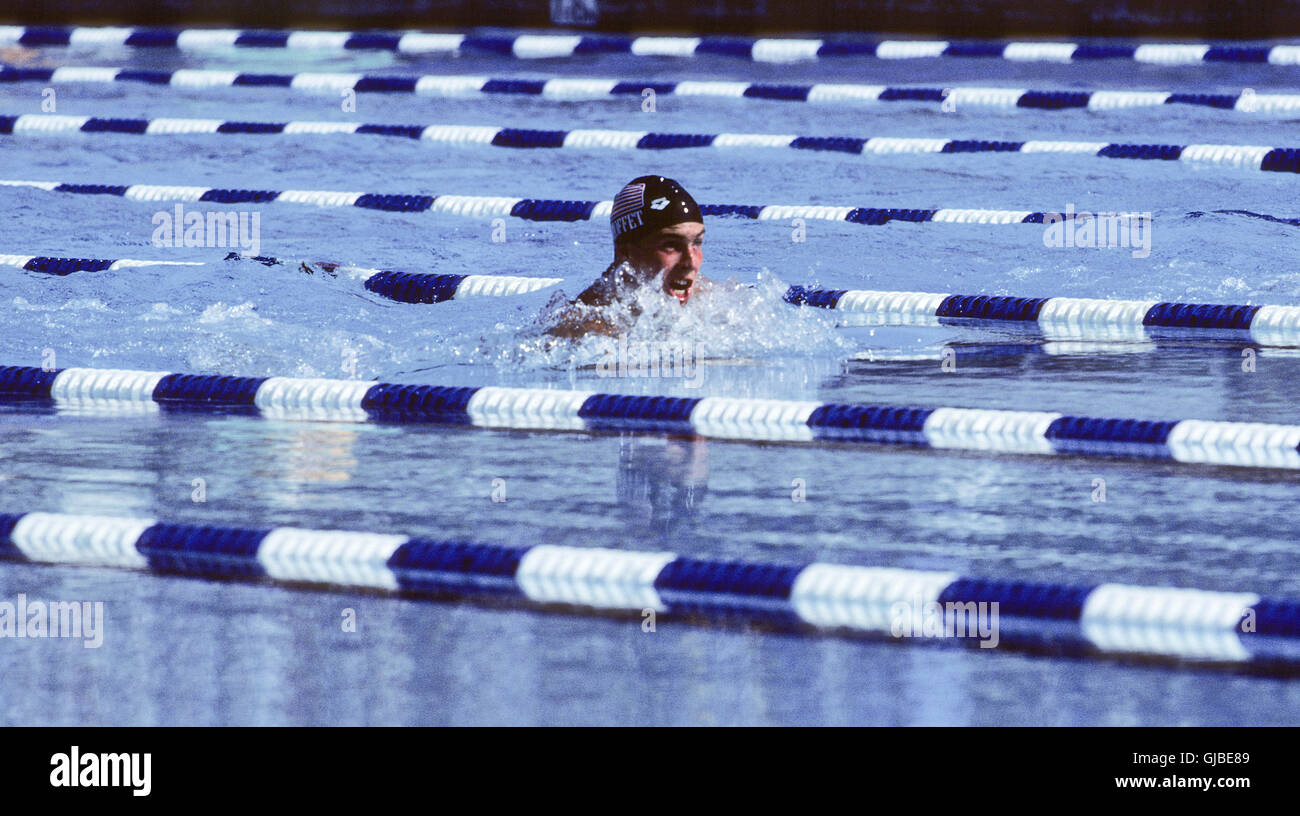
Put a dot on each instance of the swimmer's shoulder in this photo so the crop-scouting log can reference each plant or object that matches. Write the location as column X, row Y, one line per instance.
column 605, row 289
column 599, row 293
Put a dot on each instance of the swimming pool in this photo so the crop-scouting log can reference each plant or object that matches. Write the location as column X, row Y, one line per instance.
column 266, row 654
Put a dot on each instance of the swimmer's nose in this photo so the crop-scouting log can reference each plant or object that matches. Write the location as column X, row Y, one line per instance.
column 690, row 262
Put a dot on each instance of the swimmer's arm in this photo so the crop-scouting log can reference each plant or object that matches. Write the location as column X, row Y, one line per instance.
column 580, row 316
column 579, row 327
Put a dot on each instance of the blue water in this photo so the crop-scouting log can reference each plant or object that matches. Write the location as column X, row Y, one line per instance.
column 188, row 651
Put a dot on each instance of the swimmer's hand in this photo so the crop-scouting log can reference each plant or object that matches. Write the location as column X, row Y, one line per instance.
column 324, row 267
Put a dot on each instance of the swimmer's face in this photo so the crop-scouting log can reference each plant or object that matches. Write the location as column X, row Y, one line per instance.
column 678, row 251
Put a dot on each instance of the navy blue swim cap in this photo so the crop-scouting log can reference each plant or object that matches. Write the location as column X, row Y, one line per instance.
column 649, row 203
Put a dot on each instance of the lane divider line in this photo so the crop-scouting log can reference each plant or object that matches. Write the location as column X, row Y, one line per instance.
column 1061, row 318
column 1057, row 318
column 1246, row 157
column 568, row 89
column 531, row 209
column 1230, row 628
column 1236, row 444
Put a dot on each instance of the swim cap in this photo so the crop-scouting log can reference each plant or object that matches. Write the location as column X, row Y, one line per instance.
column 649, row 203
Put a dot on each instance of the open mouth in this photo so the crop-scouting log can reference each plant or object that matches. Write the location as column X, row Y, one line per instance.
column 678, row 286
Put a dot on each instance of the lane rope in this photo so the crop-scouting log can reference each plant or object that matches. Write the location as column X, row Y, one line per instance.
column 66, row 266
column 568, row 89
column 1057, row 318
column 1247, row 157
column 403, row 287
column 1060, row 318
column 534, row 209
column 1183, row 624
column 1191, row 441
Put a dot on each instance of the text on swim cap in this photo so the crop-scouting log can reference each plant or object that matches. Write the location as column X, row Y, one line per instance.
column 627, row 223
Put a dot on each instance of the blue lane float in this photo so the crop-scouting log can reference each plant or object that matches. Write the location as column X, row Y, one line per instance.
column 1191, row 441
column 1057, row 318
column 1061, row 318
column 1231, row 628
column 1251, row 157
column 418, row 287
column 66, row 266
column 633, row 90
column 533, row 209
column 404, row 287
column 552, row 46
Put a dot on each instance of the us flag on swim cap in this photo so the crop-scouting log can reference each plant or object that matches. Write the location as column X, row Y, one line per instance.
column 629, row 200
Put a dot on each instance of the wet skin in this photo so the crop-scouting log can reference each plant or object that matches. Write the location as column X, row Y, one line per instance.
column 678, row 251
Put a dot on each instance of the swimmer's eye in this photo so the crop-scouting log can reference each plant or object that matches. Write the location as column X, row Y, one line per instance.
column 677, row 246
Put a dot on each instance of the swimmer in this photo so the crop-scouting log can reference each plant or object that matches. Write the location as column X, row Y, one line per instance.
column 658, row 238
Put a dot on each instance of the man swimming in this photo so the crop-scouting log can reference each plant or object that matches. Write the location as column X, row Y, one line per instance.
column 658, row 238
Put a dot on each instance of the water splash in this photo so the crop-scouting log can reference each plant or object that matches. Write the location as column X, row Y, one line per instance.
column 726, row 322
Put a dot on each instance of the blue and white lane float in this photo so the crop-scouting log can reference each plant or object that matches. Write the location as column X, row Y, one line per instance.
column 530, row 209
column 1248, row 157
column 1057, row 318
column 66, row 266
column 543, row 46
column 569, row 89
column 1184, row 624
column 1192, row 441
column 404, row 287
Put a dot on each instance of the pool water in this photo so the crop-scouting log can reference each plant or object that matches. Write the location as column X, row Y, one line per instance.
column 182, row 651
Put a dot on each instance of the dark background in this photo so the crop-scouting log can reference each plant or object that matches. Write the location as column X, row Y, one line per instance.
column 1198, row 19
